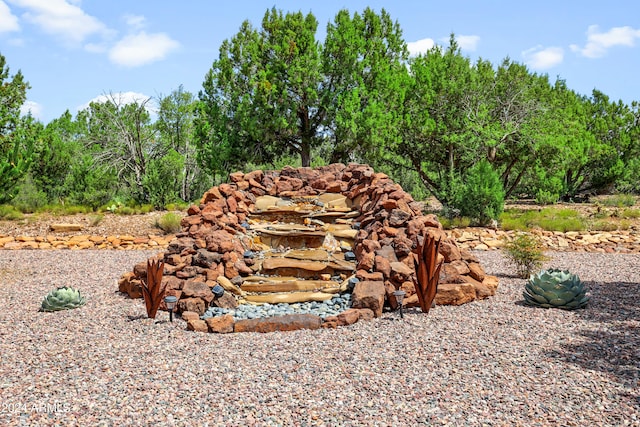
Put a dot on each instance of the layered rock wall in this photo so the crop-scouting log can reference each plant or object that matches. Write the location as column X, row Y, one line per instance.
column 209, row 250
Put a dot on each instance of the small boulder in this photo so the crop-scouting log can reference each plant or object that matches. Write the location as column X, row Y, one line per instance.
column 369, row 294
column 289, row 322
column 220, row 324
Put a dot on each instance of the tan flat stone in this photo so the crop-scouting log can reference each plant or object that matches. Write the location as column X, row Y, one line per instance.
column 335, row 200
column 289, row 298
column 315, row 266
column 260, row 226
column 291, row 286
column 308, row 254
column 63, row 227
column 228, row 286
column 265, row 202
column 273, row 263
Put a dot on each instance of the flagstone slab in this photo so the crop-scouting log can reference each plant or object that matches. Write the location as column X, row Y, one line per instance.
column 289, row 298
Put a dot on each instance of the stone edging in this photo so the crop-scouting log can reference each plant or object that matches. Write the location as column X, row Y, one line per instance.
column 625, row 241
column 482, row 239
column 85, row 241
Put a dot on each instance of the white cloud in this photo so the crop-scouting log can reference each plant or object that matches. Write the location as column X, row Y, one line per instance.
column 136, row 22
column 31, row 107
column 139, row 49
column 599, row 42
column 539, row 58
column 61, row 18
column 469, row 43
column 119, row 98
column 420, row 46
column 8, row 21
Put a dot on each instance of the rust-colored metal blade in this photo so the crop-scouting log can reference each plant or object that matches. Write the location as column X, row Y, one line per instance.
column 427, row 270
column 152, row 289
column 433, row 274
column 421, row 278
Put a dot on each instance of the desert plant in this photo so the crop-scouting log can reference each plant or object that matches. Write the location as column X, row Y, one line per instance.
column 10, row 213
column 482, row 196
column 526, row 252
column 456, row 222
column 95, row 219
column 544, row 197
column 555, row 288
column 169, row 222
column 620, row 200
column 631, row 213
column 550, row 219
column 62, row 298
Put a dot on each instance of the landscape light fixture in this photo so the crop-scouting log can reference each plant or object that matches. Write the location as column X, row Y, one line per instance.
column 399, row 297
column 170, row 301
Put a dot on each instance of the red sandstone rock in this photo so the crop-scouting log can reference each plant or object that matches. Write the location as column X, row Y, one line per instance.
column 389, row 289
column 290, row 322
column 189, row 315
column 460, row 266
column 449, row 274
column 220, row 324
column 364, row 276
column 450, row 251
column 455, row 293
column 369, row 294
column 489, row 286
column 383, row 265
column 400, row 271
column 348, row 317
column 476, row 271
column 219, row 241
column 194, row 289
column 366, row 261
column 330, row 322
column 123, row 282
column 191, row 304
column 197, row 325
column 227, row 300
column 365, row 314
column 140, row 270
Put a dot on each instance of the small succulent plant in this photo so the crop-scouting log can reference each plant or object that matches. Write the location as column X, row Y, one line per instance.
column 554, row 288
column 62, row 298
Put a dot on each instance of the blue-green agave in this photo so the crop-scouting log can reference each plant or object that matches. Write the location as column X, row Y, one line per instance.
column 63, row 298
column 555, row 288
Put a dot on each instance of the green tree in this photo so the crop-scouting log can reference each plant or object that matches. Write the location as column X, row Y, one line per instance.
column 261, row 97
column 175, row 125
column 481, row 197
column 615, row 128
column 163, row 178
column 90, row 183
column 16, row 132
column 275, row 91
column 121, row 138
column 55, row 152
column 364, row 64
column 436, row 139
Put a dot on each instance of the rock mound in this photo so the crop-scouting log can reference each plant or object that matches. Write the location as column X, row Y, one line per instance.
column 287, row 216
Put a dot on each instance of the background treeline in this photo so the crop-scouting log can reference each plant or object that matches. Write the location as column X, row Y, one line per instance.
column 470, row 133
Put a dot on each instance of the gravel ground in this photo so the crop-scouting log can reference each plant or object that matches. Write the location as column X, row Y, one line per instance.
column 490, row 363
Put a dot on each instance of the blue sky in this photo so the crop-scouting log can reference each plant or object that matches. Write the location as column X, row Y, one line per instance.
column 72, row 51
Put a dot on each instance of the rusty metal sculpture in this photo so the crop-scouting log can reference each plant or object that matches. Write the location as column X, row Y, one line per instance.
column 427, row 270
column 152, row 289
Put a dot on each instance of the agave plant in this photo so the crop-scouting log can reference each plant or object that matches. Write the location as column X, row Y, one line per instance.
column 63, row 298
column 554, row 288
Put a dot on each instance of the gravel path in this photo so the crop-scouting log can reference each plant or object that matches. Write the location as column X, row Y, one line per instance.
column 493, row 362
